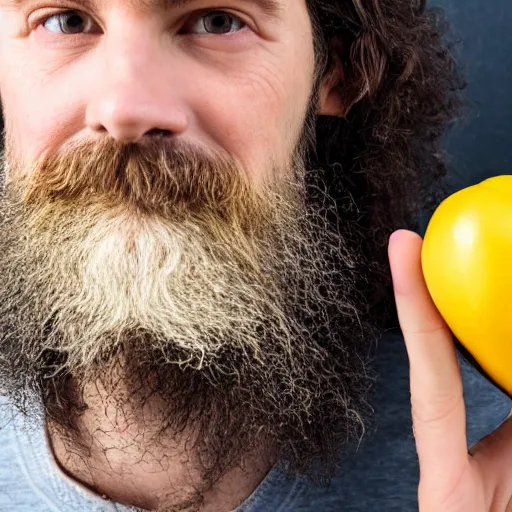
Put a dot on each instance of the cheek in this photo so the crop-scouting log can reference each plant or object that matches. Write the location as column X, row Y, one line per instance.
column 37, row 118
column 256, row 115
column 39, row 101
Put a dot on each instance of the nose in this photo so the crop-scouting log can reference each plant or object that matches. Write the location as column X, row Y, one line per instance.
column 133, row 99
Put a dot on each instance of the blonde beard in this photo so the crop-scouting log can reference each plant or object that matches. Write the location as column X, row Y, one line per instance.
column 195, row 278
column 238, row 306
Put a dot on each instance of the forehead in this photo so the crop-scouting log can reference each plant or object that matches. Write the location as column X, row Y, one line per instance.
column 270, row 7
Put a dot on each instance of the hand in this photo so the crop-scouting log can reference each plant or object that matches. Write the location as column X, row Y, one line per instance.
column 451, row 478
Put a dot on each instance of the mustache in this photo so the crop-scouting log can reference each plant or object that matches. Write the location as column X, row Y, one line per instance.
column 153, row 176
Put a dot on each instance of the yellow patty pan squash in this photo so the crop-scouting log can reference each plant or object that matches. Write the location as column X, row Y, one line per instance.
column 467, row 265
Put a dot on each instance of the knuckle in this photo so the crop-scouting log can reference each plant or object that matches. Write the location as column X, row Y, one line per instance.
column 428, row 330
column 437, row 409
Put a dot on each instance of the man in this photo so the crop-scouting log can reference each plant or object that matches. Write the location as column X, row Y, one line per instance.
column 196, row 206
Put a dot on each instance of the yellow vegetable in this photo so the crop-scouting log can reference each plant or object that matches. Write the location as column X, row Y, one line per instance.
column 467, row 265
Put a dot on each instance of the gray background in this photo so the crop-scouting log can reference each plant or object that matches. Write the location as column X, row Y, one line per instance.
column 480, row 146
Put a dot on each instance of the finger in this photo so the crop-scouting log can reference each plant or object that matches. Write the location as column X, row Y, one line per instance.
column 494, row 455
column 436, row 385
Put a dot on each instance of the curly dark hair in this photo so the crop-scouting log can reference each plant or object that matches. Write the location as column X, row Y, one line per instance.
column 384, row 159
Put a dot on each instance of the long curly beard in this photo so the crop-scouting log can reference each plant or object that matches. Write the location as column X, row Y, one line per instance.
column 237, row 305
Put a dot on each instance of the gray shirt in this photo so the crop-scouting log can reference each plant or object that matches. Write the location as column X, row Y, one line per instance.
column 381, row 475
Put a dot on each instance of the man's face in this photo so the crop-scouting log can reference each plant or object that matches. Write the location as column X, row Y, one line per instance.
column 236, row 80
column 155, row 223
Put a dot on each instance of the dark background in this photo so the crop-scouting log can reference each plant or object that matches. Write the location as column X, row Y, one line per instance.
column 384, row 473
column 480, row 145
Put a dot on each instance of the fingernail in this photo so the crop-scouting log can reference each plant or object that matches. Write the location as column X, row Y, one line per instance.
column 396, row 236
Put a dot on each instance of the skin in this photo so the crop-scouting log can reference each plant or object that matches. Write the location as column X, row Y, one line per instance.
column 451, row 479
column 137, row 72
column 140, row 69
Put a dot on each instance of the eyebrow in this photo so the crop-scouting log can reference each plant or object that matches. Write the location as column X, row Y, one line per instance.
column 271, row 8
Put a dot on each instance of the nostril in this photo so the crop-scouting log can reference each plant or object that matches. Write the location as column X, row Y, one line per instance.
column 158, row 132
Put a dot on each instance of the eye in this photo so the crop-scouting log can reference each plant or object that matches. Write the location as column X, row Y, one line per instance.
column 216, row 22
column 69, row 22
